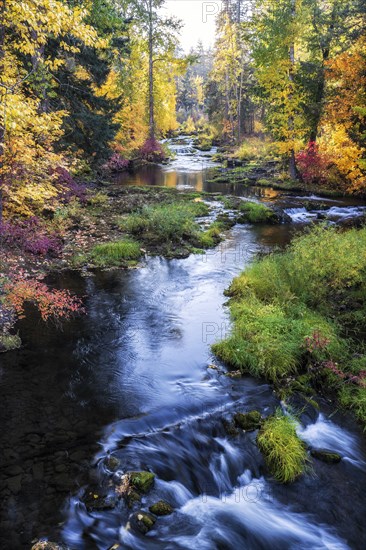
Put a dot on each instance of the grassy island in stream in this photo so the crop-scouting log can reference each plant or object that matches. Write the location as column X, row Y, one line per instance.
column 131, row 221
column 299, row 317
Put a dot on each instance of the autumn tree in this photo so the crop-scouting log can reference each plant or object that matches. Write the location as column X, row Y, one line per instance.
column 30, row 129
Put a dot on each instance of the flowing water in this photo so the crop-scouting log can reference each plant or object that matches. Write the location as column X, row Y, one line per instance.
column 131, row 379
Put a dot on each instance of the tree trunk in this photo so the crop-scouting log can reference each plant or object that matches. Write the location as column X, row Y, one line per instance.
column 291, row 124
column 151, row 75
column 319, row 96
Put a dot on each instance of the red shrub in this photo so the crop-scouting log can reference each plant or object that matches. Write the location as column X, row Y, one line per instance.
column 31, row 236
column 313, row 165
column 68, row 187
column 20, row 289
column 152, row 150
column 116, row 163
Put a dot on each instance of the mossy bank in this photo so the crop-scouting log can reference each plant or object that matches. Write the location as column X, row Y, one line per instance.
column 299, row 318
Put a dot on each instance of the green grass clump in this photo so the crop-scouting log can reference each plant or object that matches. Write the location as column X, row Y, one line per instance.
column 317, row 286
column 284, row 453
column 166, row 222
column 210, row 237
column 268, row 341
column 115, row 253
column 254, row 212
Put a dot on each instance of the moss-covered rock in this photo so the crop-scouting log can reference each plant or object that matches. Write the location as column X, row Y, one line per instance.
column 133, row 485
column 161, row 508
column 330, row 457
column 142, row 521
column 142, row 481
column 95, row 501
column 248, row 421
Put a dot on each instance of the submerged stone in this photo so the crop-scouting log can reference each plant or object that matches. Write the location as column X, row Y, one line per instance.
column 330, row 457
column 161, row 508
column 142, row 521
column 234, row 374
column 230, row 428
column 248, row 421
column 95, row 501
column 112, row 463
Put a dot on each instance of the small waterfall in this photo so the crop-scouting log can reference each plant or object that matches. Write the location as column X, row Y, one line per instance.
column 300, row 215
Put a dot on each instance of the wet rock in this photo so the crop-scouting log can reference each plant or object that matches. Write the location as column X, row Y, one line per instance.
column 133, row 484
column 230, row 428
column 63, row 481
column 15, row 484
column 248, row 421
column 161, row 508
column 45, row 545
column 77, row 456
column 38, row 470
column 112, row 463
column 213, row 367
column 95, row 501
column 60, row 468
column 234, row 374
column 142, row 481
column 142, row 521
column 325, row 455
column 14, row 470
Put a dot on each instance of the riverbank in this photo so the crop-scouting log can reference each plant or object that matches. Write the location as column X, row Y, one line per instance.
column 116, row 227
column 268, row 174
column 299, row 319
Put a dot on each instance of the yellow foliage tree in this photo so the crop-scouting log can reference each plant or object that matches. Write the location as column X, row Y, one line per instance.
column 28, row 130
column 343, row 123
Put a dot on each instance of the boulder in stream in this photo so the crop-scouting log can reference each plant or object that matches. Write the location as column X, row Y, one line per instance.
column 95, row 501
column 161, row 508
column 133, row 484
column 142, row 521
column 325, row 455
column 249, row 421
column 112, row 463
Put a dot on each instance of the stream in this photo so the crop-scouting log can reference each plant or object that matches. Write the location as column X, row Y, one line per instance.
column 131, row 380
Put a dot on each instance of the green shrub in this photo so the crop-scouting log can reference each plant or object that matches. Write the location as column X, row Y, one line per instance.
column 115, row 253
column 284, row 453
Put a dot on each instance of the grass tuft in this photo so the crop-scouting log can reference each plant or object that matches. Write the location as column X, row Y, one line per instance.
column 284, row 453
column 172, row 222
column 115, row 253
